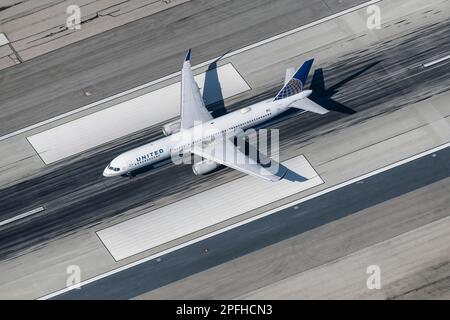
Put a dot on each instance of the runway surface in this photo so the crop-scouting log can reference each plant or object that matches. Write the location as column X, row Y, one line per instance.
column 76, row 195
column 374, row 82
column 268, row 230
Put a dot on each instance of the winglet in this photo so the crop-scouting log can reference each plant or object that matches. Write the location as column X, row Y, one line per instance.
column 188, row 55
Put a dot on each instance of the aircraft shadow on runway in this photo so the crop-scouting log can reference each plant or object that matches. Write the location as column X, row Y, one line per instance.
column 321, row 96
column 324, row 96
column 212, row 90
column 213, row 97
column 292, row 175
column 266, row 161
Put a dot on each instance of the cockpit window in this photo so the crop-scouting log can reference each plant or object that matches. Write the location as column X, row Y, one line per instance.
column 113, row 168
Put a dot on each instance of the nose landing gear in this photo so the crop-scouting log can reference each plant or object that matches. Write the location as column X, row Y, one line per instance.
column 130, row 175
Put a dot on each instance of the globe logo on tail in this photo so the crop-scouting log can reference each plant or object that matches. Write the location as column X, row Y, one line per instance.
column 294, row 86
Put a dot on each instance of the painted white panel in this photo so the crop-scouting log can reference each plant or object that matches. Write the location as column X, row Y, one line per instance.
column 130, row 116
column 204, row 209
column 3, row 39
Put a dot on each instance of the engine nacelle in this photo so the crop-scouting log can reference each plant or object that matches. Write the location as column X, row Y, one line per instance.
column 204, row 167
column 171, row 128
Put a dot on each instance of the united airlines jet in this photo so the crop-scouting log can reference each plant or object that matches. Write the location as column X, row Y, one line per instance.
column 202, row 129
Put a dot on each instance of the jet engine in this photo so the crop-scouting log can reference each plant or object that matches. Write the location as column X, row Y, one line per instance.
column 204, row 167
column 171, row 128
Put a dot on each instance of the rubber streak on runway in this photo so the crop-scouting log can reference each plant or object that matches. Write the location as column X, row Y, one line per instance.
column 271, row 229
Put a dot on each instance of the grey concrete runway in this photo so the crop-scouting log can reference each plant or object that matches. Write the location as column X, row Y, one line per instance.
column 375, row 82
column 268, row 230
column 76, row 195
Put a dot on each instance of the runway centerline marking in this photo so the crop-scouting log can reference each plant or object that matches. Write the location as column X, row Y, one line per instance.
column 21, row 216
column 175, row 74
column 429, row 64
column 262, row 215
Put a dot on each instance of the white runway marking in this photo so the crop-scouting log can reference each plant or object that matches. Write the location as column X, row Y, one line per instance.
column 429, row 64
column 333, row 188
column 151, row 83
column 3, row 39
column 21, row 216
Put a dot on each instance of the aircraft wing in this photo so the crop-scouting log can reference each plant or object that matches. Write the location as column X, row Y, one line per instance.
column 224, row 152
column 192, row 105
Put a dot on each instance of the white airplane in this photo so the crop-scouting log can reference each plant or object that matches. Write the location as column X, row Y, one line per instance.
column 202, row 129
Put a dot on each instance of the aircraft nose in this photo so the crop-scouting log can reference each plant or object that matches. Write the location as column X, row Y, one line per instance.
column 106, row 173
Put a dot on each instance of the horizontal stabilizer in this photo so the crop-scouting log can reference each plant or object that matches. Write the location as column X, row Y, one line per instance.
column 308, row 105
